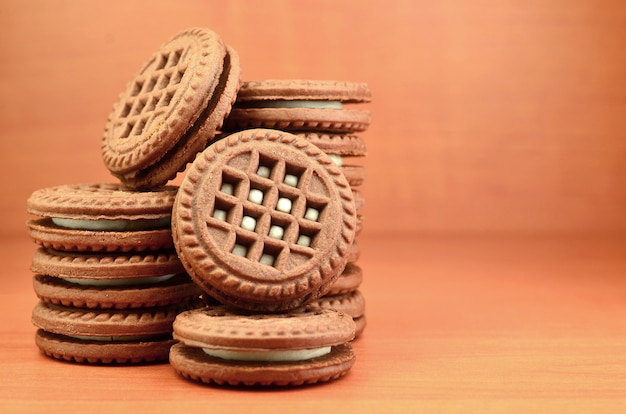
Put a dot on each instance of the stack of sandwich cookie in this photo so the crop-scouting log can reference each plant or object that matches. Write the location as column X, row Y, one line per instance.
column 263, row 227
column 106, row 273
column 326, row 114
column 264, row 222
column 344, row 296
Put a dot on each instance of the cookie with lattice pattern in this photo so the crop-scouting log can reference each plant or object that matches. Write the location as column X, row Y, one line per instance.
column 264, row 220
column 171, row 109
column 219, row 345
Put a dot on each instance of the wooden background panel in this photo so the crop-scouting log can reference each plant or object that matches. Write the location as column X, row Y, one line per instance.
column 487, row 116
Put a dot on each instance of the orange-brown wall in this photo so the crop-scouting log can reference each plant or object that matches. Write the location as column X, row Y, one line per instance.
column 489, row 116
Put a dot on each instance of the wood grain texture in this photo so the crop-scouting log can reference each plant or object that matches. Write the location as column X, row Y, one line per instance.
column 486, row 117
column 469, row 324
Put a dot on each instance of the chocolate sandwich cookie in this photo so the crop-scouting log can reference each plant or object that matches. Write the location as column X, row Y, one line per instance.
column 101, row 218
column 264, row 221
column 300, row 105
column 344, row 151
column 171, row 109
column 222, row 346
column 108, row 337
column 349, row 280
column 104, row 281
column 351, row 303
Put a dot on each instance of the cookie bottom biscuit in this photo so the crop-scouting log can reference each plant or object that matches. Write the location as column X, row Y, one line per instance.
column 97, row 352
column 195, row 364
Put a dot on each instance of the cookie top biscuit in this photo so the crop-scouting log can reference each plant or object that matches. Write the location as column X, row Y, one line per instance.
column 223, row 328
column 264, row 220
column 171, row 109
column 312, row 90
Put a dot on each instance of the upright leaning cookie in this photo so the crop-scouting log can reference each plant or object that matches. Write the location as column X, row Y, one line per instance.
column 221, row 346
column 101, row 217
column 171, row 109
column 264, row 221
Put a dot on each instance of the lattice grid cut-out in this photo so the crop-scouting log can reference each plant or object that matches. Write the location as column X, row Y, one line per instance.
column 150, row 92
column 248, row 206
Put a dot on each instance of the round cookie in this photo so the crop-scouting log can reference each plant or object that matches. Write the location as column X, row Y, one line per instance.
column 102, row 217
column 264, row 221
column 110, row 337
column 351, row 303
column 111, row 281
column 177, row 289
column 343, row 149
column 299, row 105
column 171, row 109
column 221, row 346
column 349, row 281
column 347, row 145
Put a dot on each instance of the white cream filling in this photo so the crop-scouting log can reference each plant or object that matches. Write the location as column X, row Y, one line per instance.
column 256, row 196
column 113, row 338
column 336, row 159
column 276, row 232
column 291, row 180
column 269, row 356
column 263, row 171
column 112, row 225
column 267, row 259
column 284, row 205
column 298, row 104
column 240, row 250
column 120, row 282
column 312, row 214
column 304, row 240
column 227, row 188
column 248, row 223
column 220, row 214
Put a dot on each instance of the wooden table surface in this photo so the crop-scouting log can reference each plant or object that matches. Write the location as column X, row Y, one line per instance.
column 455, row 324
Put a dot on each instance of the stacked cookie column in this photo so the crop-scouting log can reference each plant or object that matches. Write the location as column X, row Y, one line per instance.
column 108, row 278
column 264, row 222
column 326, row 114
